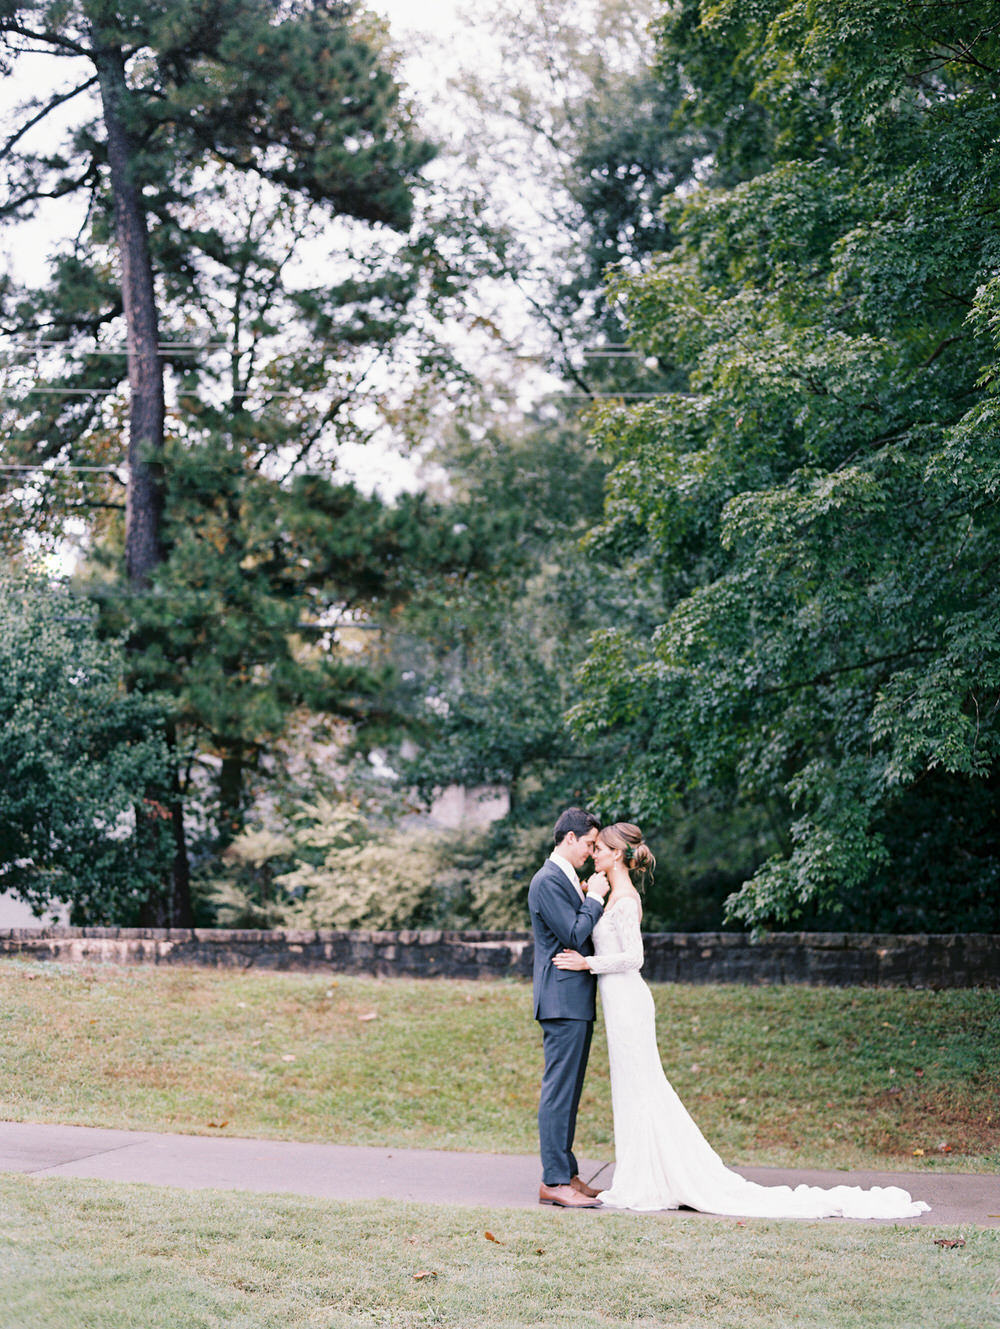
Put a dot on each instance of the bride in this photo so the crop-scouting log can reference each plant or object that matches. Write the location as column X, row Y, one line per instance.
column 662, row 1160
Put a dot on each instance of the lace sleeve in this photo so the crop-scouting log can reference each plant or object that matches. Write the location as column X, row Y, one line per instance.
column 626, row 923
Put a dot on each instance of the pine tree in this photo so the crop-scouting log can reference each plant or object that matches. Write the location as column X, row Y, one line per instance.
column 213, row 137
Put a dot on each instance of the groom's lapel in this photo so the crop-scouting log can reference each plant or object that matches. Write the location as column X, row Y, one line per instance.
column 569, row 889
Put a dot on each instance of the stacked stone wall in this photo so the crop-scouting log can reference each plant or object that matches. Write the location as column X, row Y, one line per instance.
column 835, row 959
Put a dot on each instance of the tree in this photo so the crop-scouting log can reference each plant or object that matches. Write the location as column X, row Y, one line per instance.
column 568, row 137
column 575, row 140
column 222, row 135
column 184, row 88
column 261, row 583
column 77, row 752
column 490, row 658
column 820, row 500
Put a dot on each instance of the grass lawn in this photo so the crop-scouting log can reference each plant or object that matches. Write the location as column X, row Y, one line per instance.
column 791, row 1076
column 89, row 1255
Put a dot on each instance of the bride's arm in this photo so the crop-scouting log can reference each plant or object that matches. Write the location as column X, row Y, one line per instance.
column 626, row 922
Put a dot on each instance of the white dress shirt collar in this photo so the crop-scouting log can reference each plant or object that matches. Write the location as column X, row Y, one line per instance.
column 569, row 870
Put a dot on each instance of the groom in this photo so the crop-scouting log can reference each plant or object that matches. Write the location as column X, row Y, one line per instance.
column 562, row 918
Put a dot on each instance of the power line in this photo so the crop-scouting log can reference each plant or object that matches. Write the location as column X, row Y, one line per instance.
column 169, row 347
column 98, row 392
column 611, row 349
column 57, row 470
column 56, row 343
column 69, row 392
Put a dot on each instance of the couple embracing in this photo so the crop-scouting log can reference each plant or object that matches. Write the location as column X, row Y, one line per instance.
column 590, row 935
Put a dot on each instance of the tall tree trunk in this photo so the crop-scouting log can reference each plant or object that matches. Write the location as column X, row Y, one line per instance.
column 144, row 502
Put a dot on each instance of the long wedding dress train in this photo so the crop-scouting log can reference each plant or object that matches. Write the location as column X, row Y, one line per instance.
column 662, row 1159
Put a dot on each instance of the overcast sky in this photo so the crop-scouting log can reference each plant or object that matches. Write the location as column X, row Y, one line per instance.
column 420, row 15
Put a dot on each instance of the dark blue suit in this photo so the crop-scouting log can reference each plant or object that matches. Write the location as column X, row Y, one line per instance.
column 565, row 1008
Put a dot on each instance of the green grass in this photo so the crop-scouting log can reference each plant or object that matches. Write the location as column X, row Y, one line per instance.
column 789, row 1076
column 90, row 1255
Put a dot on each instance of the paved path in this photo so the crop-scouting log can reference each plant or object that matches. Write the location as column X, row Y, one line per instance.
column 342, row 1172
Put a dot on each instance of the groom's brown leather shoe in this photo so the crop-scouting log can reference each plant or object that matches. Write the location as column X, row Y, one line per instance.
column 580, row 1185
column 568, row 1197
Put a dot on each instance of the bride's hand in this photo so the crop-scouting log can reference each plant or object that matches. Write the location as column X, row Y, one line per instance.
column 570, row 960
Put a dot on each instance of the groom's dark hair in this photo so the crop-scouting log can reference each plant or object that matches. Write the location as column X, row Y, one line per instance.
column 575, row 820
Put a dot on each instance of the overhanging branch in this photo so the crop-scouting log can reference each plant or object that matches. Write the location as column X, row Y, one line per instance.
column 37, row 119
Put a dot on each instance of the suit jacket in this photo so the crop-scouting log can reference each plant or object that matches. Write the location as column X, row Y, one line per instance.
column 560, row 920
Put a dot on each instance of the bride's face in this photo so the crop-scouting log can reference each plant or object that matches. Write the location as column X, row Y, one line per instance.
column 604, row 857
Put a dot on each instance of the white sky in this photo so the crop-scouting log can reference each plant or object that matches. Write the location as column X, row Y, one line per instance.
column 438, row 16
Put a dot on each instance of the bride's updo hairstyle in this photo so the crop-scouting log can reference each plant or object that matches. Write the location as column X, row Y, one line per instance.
column 636, row 853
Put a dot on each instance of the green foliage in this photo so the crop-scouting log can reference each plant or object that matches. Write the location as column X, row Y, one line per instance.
column 820, row 499
column 340, row 875
column 258, row 138
column 491, row 657
column 247, row 622
column 333, row 866
column 77, row 753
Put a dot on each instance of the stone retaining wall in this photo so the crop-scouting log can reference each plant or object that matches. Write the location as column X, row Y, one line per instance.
column 835, row 959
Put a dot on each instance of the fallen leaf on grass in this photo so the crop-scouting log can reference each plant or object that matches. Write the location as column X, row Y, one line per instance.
column 490, row 1237
column 918, row 1153
column 426, row 1273
column 949, row 1243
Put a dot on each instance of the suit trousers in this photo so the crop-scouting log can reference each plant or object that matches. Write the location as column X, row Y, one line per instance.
column 566, row 1044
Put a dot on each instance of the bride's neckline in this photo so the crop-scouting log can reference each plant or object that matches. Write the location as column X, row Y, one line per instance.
column 624, row 896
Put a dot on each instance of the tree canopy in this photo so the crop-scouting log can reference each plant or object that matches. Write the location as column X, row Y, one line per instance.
column 75, row 748
column 820, row 499
column 748, row 601
column 213, row 144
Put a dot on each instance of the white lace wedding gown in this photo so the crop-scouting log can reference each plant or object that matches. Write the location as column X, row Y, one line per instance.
column 662, row 1159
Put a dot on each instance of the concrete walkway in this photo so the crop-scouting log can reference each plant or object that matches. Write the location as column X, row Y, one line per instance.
column 342, row 1172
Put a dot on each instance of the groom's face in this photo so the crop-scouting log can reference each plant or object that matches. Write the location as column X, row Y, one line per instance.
column 582, row 848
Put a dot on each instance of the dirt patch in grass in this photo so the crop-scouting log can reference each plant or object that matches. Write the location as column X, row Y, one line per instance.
column 935, row 1121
